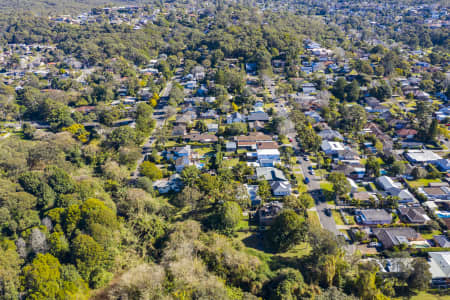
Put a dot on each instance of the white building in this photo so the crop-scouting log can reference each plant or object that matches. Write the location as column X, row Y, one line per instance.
column 386, row 183
column 440, row 269
column 421, row 156
column 331, row 148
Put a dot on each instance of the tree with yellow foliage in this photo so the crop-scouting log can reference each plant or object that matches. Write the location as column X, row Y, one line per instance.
column 79, row 132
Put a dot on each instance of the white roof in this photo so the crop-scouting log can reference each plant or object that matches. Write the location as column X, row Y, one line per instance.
column 268, row 152
column 440, row 264
column 431, row 205
column 334, row 146
column 422, row 155
column 387, row 182
column 352, row 183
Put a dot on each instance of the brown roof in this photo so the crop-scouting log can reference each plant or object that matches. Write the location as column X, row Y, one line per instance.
column 246, row 144
column 267, row 145
column 433, row 191
column 253, row 137
column 201, row 137
column 446, row 222
column 406, row 132
column 362, row 196
column 413, row 214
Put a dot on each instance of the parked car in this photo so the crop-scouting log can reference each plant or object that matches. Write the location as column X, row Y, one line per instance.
column 306, row 158
column 327, row 212
column 306, row 180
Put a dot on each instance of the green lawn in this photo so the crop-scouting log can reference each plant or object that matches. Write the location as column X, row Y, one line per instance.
column 427, row 296
column 202, row 151
column 429, row 236
column 229, row 163
column 254, row 245
column 300, row 250
column 269, row 105
column 337, row 217
column 327, row 189
column 327, row 186
column 285, row 140
column 243, row 223
column 313, row 217
column 422, row 182
column 170, row 144
column 363, row 161
column 301, row 186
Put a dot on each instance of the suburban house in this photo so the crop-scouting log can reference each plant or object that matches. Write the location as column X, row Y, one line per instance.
column 353, row 185
column 270, row 174
column 440, row 269
column 373, row 217
column 332, row 148
column 387, row 184
column 442, row 241
column 281, row 188
column 258, row 116
column 252, row 191
column 421, row 156
column 314, row 115
column 179, row 130
column 235, row 118
column 348, row 155
column 166, row 185
column 250, row 141
column 404, row 196
column 266, row 145
column 213, row 127
column 413, row 215
column 201, row 138
column 308, row 88
column 394, row 236
column 230, row 146
column 406, row 133
column 330, row 135
column 181, row 163
column 268, row 157
column 268, row 212
column 364, row 197
column 436, row 193
column 443, row 164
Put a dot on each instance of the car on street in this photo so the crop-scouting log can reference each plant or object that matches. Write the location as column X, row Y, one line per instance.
column 306, row 180
column 306, row 158
column 327, row 212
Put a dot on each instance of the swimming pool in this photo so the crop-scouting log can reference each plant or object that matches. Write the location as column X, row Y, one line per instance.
column 443, row 214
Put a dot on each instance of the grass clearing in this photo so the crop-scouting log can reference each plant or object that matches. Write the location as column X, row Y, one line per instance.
column 230, row 162
column 313, row 217
column 203, row 151
column 327, row 189
column 430, row 235
column 269, row 105
column 422, row 182
column 301, row 186
column 169, row 144
column 337, row 217
column 428, row 296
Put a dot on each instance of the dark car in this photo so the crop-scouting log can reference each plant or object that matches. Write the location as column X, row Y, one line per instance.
column 306, row 180
column 327, row 212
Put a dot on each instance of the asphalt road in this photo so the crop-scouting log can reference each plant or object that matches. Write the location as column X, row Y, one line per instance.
column 315, row 191
column 160, row 115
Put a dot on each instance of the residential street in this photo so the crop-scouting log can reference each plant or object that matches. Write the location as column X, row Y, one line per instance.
column 314, row 189
column 159, row 114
